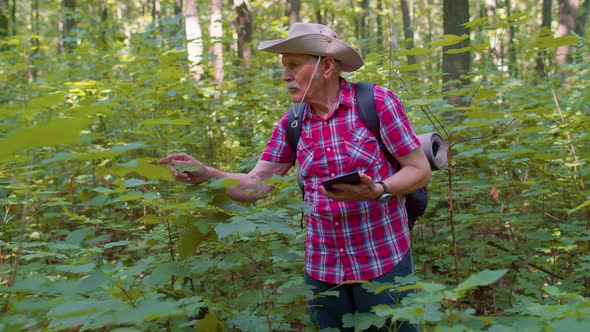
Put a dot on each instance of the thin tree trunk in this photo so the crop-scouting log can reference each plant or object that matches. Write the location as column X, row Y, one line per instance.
column 511, row 52
column 176, row 32
column 364, row 27
column 104, row 16
column 545, row 29
column 456, row 13
column 568, row 12
column 244, row 22
column 292, row 11
column 379, row 23
column 194, row 37
column 4, row 18
column 318, row 12
column 157, row 16
column 582, row 18
column 35, row 44
column 408, row 31
column 216, row 33
column 13, row 18
column 69, row 42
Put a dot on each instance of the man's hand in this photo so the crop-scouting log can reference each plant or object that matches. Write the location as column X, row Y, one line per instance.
column 366, row 190
column 185, row 168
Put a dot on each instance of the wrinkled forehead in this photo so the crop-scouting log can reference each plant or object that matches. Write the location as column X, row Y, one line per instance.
column 289, row 57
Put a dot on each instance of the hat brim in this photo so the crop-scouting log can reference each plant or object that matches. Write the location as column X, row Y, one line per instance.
column 316, row 44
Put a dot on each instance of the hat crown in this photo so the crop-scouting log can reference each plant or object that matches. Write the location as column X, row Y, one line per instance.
column 315, row 39
column 300, row 29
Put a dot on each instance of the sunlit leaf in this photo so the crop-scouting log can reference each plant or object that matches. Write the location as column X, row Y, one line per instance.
column 581, row 206
column 449, row 40
column 482, row 278
column 554, row 42
column 51, row 133
column 210, row 323
column 179, row 121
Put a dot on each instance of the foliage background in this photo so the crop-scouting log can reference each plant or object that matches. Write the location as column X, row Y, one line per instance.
column 96, row 236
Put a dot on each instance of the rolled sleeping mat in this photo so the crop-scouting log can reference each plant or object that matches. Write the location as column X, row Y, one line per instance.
column 435, row 148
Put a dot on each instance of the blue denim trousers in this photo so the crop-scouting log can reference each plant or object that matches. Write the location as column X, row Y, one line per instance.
column 326, row 311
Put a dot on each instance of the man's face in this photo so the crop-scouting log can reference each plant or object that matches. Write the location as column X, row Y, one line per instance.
column 298, row 71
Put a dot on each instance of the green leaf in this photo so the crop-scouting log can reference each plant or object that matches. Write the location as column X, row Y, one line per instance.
column 210, row 323
column 362, row 321
column 153, row 309
column 83, row 268
column 190, row 239
column 179, row 121
column 553, row 42
column 459, row 50
column 477, row 22
column 450, row 40
column 131, row 183
column 186, row 168
column 415, row 51
column 581, row 206
column 51, row 133
column 115, row 244
column 482, row 278
column 162, row 274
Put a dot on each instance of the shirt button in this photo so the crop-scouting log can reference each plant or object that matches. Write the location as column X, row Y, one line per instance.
column 328, row 149
column 341, row 250
column 332, row 174
column 337, row 223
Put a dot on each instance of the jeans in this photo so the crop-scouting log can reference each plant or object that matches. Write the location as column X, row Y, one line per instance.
column 327, row 311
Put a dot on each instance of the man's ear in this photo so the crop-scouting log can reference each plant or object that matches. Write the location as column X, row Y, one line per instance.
column 329, row 67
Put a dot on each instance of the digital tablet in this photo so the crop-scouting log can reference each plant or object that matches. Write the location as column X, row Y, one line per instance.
column 349, row 178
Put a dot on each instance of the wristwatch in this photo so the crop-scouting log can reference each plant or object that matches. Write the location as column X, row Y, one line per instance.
column 385, row 196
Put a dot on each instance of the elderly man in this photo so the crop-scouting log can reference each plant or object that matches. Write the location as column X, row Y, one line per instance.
column 358, row 231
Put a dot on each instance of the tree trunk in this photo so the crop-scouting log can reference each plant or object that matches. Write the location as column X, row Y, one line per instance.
column 364, row 28
column 3, row 18
column 292, row 11
column 177, row 31
column 35, row 44
column 104, row 16
column 69, row 42
column 13, row 18
column 216, row 33
column 157, row 15
column 318, row 12
column 510, row 51
column 379, row 24
column 408, row 31
column 244, row 22
column 568, row 12
column 194, row 37
column 545, row 29
column 582, row 18
column 455, row 14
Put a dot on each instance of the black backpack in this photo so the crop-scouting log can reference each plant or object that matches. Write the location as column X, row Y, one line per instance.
column 417, row 201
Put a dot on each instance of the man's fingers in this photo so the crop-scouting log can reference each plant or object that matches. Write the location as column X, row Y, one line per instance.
column 174, row 157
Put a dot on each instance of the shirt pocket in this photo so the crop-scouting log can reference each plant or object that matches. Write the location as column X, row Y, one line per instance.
column 307, row 153
column 362, row 148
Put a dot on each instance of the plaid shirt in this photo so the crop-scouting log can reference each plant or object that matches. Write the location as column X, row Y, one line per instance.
column 349, row 240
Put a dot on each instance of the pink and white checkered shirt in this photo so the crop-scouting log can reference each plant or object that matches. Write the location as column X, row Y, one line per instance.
column 349, row 240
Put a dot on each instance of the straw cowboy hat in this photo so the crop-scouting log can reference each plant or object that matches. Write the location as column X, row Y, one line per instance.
column 315, row 39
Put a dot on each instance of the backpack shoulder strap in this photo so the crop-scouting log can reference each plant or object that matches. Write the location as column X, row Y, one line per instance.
column 293, row 135
column 294, row 125
column 365, row 97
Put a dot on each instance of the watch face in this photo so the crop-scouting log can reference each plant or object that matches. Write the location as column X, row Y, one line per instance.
column 384, row 198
